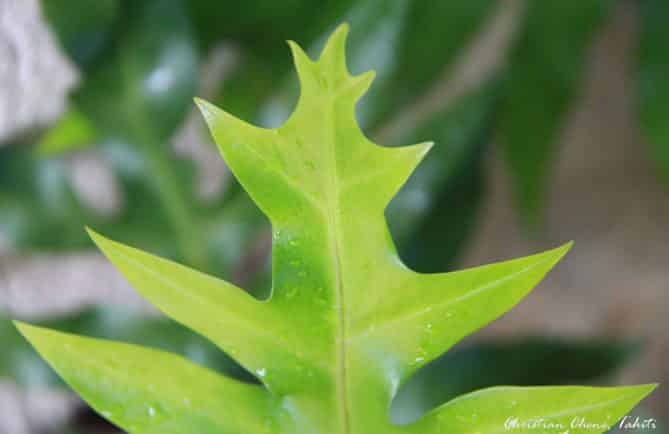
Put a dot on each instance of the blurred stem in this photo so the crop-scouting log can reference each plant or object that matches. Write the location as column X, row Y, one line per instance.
column 186, row 228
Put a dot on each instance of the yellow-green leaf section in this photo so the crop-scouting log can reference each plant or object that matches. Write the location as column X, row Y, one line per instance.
column 346, row 323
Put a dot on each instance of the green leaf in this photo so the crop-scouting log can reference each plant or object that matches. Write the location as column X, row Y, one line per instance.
column 346, row 324
column 653, row 73
column 545, row 69
column 21, row 364
column 491, row 410
column 86, row 34
column 196, row 399
column 530, row 361
column 391, row 36
column 72, row 132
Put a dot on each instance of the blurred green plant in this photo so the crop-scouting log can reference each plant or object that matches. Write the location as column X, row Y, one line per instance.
column 140, row 64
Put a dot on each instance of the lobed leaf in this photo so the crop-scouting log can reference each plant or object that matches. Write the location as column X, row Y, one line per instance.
column 346, row 322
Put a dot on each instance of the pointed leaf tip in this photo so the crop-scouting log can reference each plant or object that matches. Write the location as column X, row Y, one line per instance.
column 97, row 238
column 333, row 56
column 364, row 81
column 336, row 43
column 562, row 250
column 37, row 336
column 207, row 109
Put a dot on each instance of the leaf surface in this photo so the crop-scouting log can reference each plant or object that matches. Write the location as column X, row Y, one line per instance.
column 346, row 323
column 21, row 364
column 149, row 391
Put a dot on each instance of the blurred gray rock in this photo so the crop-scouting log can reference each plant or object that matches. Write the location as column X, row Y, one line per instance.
column 35, row 77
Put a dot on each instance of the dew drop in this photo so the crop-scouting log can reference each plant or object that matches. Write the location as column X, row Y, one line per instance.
column 155, row 410
column 261, row 372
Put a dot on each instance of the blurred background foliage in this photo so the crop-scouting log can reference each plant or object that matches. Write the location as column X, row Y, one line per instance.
column 141, row 63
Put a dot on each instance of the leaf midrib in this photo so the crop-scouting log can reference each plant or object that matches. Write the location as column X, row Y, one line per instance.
column 334, row 243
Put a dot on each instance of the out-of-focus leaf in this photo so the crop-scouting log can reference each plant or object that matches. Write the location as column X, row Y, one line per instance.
column 38, row 207
column 533, row 361
column 83, row 29
column 145, row 86
column 545, row 69
column 21, row 363
column 653, row 79
column 261, row 26
column 137, row 98
column 446, row 190
column 72, row 132
column 433, row 34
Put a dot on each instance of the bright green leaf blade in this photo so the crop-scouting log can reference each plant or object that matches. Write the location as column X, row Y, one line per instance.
column 447, row 307
column 545, row 70
column 653, row 83
column 21, row 364
column 249, row 330
column 494, row 410
column 336, row 277
column 534, row 361
column 153, row 392
column 324, row 186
